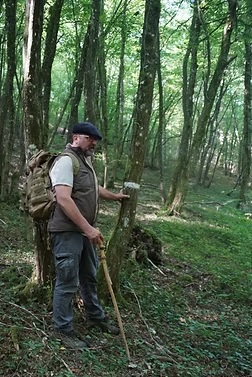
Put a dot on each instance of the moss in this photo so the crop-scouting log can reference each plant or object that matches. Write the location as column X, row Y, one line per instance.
column 15, row 335
column 34, row 291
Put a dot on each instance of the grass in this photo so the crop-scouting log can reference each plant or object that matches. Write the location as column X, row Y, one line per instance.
column 189, row 317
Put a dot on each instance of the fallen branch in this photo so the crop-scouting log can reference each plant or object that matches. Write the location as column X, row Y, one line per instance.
column 23, row 327
column 214, row 203
column 26, row 310
column 206, row 203
column 150, row 261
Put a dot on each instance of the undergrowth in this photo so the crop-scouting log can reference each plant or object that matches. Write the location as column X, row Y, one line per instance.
column 190, row 316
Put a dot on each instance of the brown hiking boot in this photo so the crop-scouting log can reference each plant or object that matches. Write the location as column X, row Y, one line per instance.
column 104, row 325
column 72, row 340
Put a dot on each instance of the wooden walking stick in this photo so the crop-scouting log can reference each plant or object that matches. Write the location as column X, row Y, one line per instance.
column 109, row 283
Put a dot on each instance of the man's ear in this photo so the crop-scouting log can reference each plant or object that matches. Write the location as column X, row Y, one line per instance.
column 74, row 137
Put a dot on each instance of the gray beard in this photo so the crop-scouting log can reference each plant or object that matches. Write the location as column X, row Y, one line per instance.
column 89, row 152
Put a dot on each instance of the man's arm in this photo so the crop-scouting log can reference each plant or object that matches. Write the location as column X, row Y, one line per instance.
column 65, row 201
column 109, row 195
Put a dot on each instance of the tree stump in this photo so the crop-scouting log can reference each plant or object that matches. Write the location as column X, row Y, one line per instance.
column 145, row 245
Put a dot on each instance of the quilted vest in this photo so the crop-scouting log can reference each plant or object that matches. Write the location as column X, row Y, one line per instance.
column 84, row 194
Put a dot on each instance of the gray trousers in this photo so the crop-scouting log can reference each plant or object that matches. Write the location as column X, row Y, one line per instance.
column 76, row 264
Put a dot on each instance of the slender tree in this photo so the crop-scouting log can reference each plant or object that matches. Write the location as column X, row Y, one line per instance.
column 160, row 125
column 189, row 154
column 77, row 88
column 33, row 120
column 247, row 127
column 86, row 72
column 7, row 108
column 103, row 90
column 212, row 129
column 90, row 72
column 222, row 63
column 36, row 96
column 32, row 74
column 120, row 95
column 142, row 114
column 49, row 55
column 177, row 190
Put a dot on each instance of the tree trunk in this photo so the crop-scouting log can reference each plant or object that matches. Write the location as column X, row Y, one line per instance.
column 50, row 50
column 212, row 146
column 247, row 127
column 160, row 135
column 120, row 98
column 223, row 145
column 83, row 79
column 76, row 91
column 44, row 262
column 7, row 109
column 33, row 123
column 190, row 157
column 92, row 43
column 211, row 131
column 223, row 61
column 178, row 186
column 32, row 75
column 121, row 235
column 103, row 101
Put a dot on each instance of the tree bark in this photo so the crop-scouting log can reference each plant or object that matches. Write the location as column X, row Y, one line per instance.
column 32, row 94
column 121, row 234
column 33, row 124
column 212, row 128
column 178, row 186
column 247, row 127
column 7, row 109
column 102, row 84
column 120, row 98
column 50, row 50
column 77, row 89
column 223, row 61
column 160, row 135
column 189, row 155
column 90, row 75
column 85, row 76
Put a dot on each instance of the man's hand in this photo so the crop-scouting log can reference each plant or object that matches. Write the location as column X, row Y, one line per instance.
column 94, row 235
column 109, row 195
column 64, row 199
column 120, row 195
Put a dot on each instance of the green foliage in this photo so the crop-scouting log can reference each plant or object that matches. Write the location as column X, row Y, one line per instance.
column 174, row 31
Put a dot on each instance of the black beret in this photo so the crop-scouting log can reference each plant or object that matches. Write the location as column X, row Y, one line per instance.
column 86, row 128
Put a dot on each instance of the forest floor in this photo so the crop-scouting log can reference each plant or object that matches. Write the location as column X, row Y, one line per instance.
column 189, row 316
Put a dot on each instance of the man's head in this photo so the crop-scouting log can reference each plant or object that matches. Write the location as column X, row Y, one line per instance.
column 85, row 136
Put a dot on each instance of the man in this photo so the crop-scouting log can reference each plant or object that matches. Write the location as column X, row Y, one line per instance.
column 74, row 235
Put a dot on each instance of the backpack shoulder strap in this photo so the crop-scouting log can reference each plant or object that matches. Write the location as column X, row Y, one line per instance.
column 75, row 161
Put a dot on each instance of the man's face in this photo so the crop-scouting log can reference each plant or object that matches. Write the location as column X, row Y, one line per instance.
column 86, row 143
